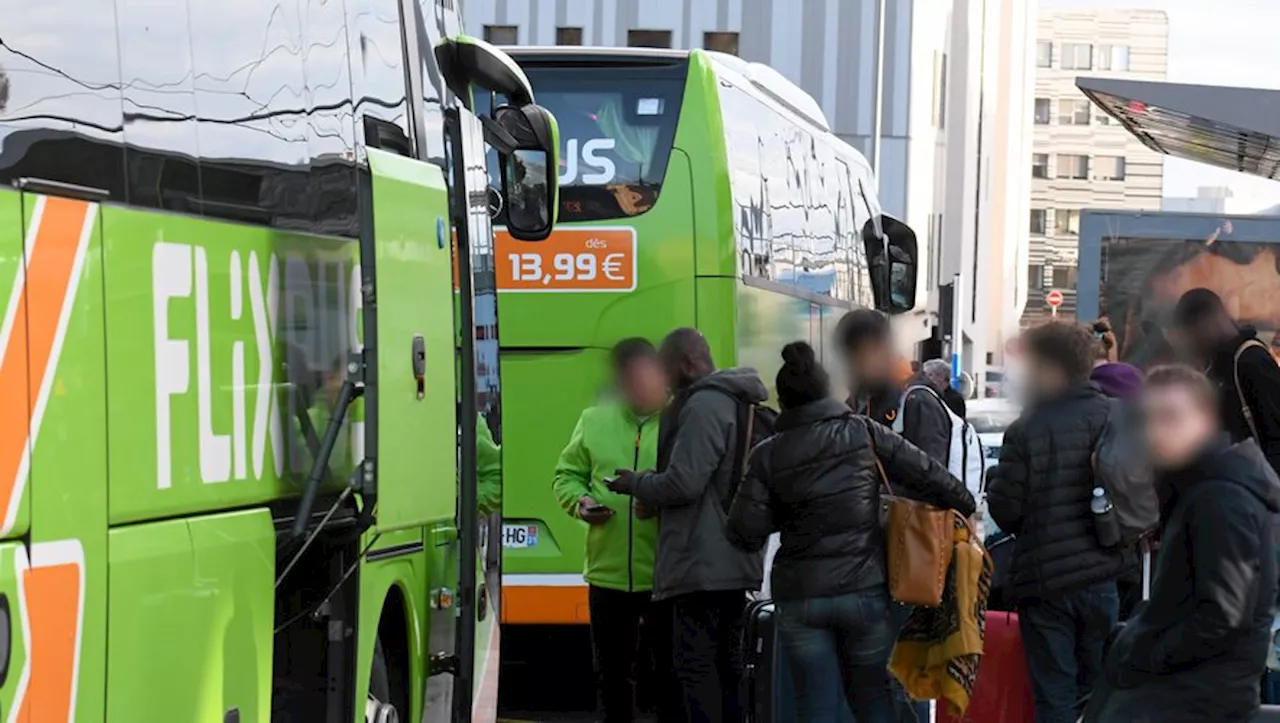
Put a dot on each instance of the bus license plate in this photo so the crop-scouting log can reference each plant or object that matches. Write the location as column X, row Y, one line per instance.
column 519, row 535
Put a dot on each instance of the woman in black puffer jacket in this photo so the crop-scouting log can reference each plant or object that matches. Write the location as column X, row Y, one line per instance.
column 817, row 483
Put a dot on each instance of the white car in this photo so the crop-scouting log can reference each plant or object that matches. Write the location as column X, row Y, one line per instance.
column 989, row 418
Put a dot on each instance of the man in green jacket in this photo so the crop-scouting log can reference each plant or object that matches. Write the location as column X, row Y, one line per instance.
column 620, row 542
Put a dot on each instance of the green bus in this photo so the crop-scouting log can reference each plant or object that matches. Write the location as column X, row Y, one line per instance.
column 696, row 189
column 244, row 458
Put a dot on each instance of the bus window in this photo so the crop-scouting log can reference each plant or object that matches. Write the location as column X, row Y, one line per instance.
column 615, row 138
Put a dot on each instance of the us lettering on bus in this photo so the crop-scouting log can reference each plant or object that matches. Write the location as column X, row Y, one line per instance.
column 602, row 168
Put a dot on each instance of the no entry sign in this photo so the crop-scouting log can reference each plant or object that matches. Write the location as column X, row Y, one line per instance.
column 1053, row 299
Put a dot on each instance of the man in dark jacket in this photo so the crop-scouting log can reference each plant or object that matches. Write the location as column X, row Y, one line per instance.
column 866, row 341
column 1196, row 650
column 1232, row 352
column 939, row 373
column 1064, row 582
column 705, row 577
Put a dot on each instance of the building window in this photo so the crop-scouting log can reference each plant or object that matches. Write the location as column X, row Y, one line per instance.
column 568, row 36
column 1064, row 277
column 1039, row 165
column 501, row 34
column 1044, row 54
column 1039, row 220
column 721, row 42
column 1109, row 168
column 1066, row 222
column 1077, row 56
column 1042, row 111
column 1113, row 57
column 1035, row 277
column 1102, row 120
column 649, row 38
column 1073, row 167
column 1074, row 112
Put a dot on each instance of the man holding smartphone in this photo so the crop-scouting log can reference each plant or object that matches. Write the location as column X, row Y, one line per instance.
column 620, row 541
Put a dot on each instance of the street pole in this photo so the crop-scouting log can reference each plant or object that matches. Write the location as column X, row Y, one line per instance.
column 877, row 118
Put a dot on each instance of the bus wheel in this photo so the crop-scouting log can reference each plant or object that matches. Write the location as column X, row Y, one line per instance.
column 380, row 708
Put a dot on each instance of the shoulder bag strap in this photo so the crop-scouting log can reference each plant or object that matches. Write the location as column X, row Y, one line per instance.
column 1245, row 409
column 871, row 440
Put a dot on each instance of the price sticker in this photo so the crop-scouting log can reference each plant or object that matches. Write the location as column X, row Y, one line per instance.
column 570, row 260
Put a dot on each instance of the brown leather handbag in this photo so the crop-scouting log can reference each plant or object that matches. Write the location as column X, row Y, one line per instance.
column 919, row 542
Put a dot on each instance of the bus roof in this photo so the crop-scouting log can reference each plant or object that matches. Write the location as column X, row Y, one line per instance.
column 758, row 76
column 595, row 53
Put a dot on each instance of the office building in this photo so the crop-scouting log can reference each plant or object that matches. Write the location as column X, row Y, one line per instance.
column 984, row 236
column 1081, row 157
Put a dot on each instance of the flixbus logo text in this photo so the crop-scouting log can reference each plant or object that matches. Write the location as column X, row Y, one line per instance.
column 246, row 344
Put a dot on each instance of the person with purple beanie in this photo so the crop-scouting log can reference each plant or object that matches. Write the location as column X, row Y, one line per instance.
column 1117, row 380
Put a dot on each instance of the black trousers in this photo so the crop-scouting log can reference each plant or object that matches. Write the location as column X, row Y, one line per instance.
column 708, row 653
column 619, row 621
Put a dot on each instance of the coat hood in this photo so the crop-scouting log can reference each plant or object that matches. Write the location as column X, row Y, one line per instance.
column 741, row 382
column 1242, row 464
column 1117, row 380
column 1248, row 467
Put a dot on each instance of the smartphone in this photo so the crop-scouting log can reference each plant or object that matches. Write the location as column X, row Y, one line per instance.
column 598, row 508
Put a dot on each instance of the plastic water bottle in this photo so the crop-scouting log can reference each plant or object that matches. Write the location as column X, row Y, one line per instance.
column 1105, row 524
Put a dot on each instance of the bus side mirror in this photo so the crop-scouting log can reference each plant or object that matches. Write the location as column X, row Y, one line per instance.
column 893, row 260
column 530, row 171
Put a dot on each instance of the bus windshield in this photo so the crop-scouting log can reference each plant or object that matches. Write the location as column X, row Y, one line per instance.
column 616, row 132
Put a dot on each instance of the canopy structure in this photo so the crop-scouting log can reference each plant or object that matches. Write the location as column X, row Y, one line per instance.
column 1234, row 128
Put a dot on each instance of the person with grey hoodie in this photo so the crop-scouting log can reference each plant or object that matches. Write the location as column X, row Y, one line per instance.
column 701, row 574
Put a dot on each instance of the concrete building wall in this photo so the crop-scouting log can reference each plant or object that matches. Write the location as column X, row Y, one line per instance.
column 1001, row 252
column 1106, row 43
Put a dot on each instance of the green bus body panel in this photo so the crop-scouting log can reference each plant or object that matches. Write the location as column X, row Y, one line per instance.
column 13, row 561
column 403, row 576
column 544, row 394
column 191, row 619
column 700, row 134
column 68, row 478
column 13, row 384
column 417, row 452
column 203, row 318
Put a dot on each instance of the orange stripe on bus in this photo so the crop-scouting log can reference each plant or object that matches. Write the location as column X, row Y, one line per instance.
column 42, row 290
column 545, row 605
column 51, row 611
column 53, row 602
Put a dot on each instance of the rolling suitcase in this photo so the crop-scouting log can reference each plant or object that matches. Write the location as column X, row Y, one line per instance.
column 1002, row 693
column 767, row 694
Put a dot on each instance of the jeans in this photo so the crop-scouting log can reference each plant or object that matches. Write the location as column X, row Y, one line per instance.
column 1271, row 688
column 908, row 710
column 853, row 632
column 1063, row 638
column 708, row 653
column 616, row 617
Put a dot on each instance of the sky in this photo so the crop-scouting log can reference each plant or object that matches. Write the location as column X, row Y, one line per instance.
column 1213, row 42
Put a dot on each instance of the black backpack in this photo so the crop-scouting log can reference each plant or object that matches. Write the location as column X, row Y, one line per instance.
column 756, row 423
column 1120, row 468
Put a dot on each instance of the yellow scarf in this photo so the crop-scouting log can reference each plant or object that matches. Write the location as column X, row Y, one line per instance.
column 939, row 650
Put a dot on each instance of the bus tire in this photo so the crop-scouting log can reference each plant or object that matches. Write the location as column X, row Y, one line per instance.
column 384, row 701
